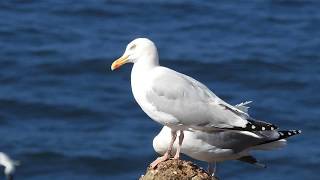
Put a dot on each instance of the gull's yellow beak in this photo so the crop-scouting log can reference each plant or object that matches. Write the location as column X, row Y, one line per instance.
column 119, row 62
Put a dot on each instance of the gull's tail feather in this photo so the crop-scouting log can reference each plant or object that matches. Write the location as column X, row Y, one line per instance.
column 252, row 160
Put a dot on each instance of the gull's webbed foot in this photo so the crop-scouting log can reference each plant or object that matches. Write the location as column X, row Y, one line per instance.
column 163, row 158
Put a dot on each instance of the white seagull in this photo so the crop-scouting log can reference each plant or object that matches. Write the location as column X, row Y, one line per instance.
column 220, row 146
column 177, row 100
column 9, row 165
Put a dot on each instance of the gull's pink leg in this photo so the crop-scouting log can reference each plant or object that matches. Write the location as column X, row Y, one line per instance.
column 166, row 155
column 181, row 136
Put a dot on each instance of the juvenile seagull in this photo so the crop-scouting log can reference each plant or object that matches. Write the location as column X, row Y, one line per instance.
column 223, row 145
column 177, row 100
column 9, row 165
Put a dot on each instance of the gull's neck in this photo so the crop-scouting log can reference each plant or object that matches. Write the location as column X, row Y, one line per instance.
column 140, row 73
column 145, row 63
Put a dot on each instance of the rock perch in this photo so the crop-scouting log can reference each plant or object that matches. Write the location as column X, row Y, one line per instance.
column 176, row 170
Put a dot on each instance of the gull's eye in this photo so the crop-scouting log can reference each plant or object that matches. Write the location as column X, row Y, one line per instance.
column 132, row 47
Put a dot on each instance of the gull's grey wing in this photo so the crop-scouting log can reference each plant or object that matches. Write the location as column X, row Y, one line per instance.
column 193, row 105
column 236, row 140
column 241, row 140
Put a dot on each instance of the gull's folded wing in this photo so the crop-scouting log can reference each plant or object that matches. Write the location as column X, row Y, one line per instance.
column 187, row 102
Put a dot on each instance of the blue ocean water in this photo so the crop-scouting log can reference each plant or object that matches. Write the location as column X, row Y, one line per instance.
column 65, row 115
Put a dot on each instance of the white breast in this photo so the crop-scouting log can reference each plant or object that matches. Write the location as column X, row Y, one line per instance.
column 140, row 84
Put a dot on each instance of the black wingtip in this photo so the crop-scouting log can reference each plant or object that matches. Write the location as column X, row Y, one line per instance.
column 254, row 125
column 283, row 135
column 288, row 133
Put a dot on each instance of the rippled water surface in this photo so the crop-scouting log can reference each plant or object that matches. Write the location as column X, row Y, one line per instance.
column 65, row 115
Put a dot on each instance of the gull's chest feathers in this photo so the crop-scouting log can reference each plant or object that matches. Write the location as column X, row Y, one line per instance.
column 141, row 84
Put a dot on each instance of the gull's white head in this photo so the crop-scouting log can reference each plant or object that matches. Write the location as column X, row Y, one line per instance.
column 9, row 165
column 140, row 49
